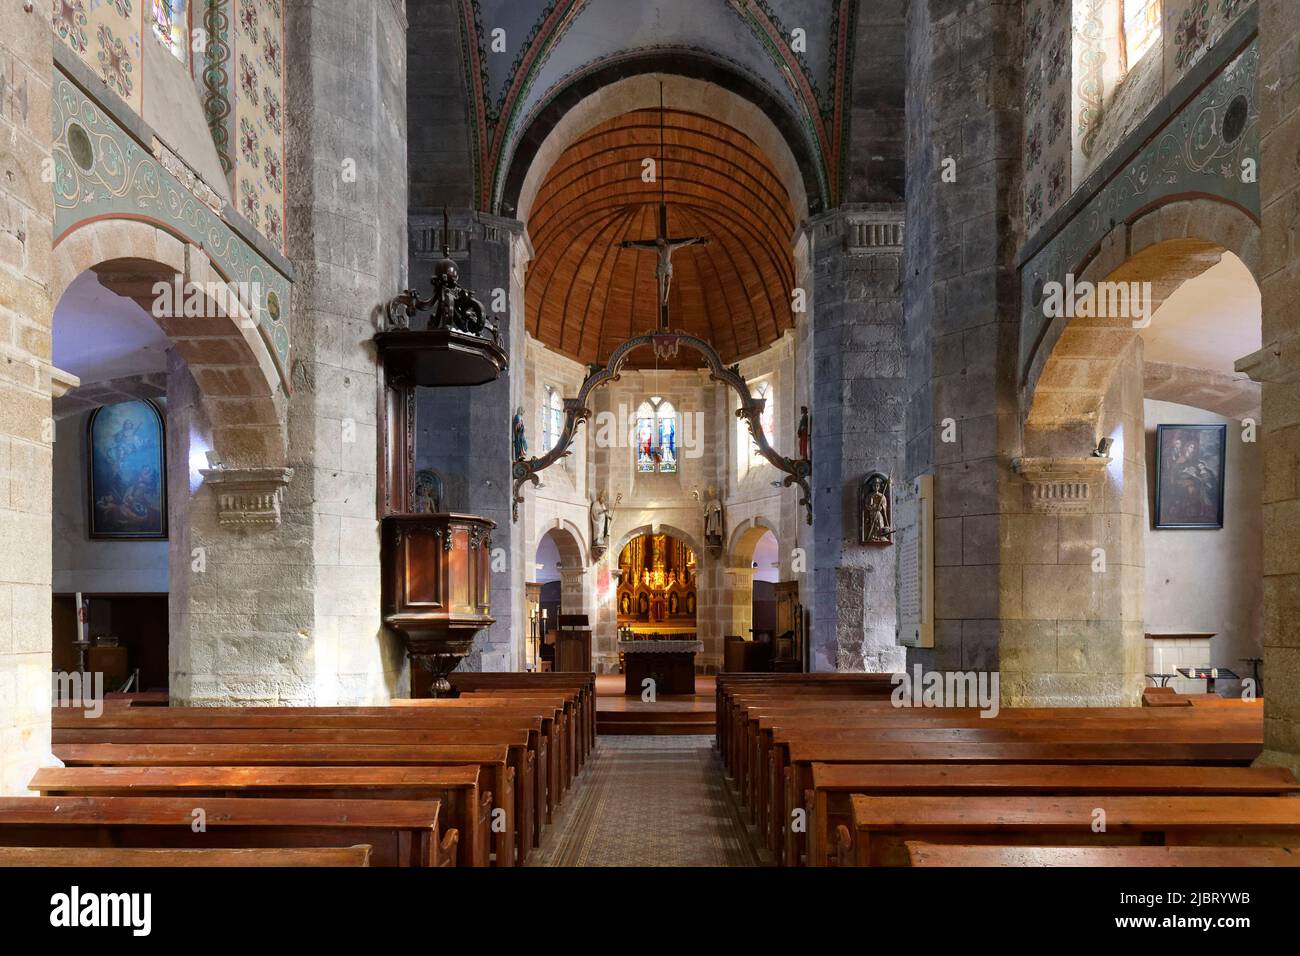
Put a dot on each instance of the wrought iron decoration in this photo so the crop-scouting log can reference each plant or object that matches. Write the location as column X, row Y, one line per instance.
column 666, row 346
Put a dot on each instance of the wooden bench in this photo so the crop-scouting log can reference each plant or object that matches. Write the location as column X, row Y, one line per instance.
column 939, row 854
column 585, row 682
column 495, row 761
column 100, row 856
column 827, row 801
column 531, row 769
column 400, row 833
column 882, row 825
column 464, row 807
column 134, row 726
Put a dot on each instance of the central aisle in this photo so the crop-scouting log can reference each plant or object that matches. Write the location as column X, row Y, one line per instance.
column 649, row 801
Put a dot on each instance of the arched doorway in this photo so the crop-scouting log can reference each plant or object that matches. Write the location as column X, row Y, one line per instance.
column 556, row 585
column 164, row 384
column 1100, row 585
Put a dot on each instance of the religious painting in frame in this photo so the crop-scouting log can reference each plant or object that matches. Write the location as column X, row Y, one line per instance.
column 1189, row 476
column 126, row 464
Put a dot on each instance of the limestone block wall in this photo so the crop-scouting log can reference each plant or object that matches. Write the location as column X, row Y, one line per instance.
column 859, row 395
column 1073, row 573
column 960, row 288
column 1279, row 39
column 26, row 426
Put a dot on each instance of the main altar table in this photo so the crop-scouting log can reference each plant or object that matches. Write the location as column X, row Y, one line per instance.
column 670, row 664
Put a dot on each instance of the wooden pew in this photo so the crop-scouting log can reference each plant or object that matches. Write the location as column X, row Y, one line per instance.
column 464, row 806
column 763, row 773
column 485, row 680
column 939, row 854
column 318, row 725
column 101, row 856
column 827, row 801
column 399, row 832
column 882, row 825
column 495, row 760
column 802, row 755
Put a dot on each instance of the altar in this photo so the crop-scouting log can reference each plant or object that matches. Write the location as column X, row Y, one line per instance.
column 670, row 664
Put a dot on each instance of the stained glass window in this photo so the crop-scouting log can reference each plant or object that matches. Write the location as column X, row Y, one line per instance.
column 1141, row 28
column 656, row 436
column 171, row 25
column 552, row 418
column 667, row 438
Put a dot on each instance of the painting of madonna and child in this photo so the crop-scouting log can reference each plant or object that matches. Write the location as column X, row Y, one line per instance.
column 1189, row 476
column 128, row 478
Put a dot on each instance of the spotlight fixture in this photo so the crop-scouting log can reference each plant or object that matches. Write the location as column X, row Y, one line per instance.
column 1103, row 448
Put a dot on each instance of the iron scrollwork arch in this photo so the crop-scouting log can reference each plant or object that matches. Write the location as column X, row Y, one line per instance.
column 666, row 346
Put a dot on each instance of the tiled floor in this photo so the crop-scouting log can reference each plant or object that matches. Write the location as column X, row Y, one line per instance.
column 649, row 801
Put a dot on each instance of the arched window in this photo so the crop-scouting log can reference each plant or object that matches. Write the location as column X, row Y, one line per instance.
column 1139, row 29
column 552, row 417
column 656, row 436
column 747, row 455
column 170, row 20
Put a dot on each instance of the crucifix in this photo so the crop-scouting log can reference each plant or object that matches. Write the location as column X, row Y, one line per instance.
column 662, row 244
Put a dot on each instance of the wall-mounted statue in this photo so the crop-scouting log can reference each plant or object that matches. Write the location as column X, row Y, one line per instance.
column 714, row 532
column 520, row 436
column 602, row 520
column 875, row 520
column 805, row 433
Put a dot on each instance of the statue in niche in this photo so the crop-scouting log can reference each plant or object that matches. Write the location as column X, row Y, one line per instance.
column 520, row 435
column 804, row 432
column 426, row 497
column 713, row 518
column 602, row 520
column 874, row 518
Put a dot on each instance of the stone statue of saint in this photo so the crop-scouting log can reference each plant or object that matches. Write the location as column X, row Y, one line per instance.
column 804, row 432
column 713, row 533
column 520, row 438
column 602, row 517
column 874, row 501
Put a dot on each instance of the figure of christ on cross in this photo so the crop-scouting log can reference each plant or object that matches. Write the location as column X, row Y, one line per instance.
column 664, row 246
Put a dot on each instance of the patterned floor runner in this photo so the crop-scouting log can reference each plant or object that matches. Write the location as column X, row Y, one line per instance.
column 649, row 801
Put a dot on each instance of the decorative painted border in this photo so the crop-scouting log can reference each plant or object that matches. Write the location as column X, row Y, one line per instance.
column 125, row 181
column 492, row 124
column 1186, row 156
column 824, row 117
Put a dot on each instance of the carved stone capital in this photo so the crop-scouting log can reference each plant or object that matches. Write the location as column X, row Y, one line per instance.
column 1062, row 485
column 248, row 497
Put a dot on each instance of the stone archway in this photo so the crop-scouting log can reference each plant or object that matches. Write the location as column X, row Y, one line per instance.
column 740, row 573
column 241, row 387
column 1072, row 538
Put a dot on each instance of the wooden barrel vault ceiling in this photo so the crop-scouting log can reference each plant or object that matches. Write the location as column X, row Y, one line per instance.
column 585, row 294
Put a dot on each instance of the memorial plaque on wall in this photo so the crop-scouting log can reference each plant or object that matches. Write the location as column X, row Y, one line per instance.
column 914, row 536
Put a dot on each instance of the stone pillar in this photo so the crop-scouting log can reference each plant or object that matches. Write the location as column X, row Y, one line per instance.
column 464, row 433
column 290, row 613
column 1279, row 371
column 962, row 297
column 1074, row 538
column 26, row 425
column 859, row 398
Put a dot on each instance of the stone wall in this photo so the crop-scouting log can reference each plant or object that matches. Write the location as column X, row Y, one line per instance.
column 1279, row 40
column 859, row 396
column 26, row 425
column 290, row 614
